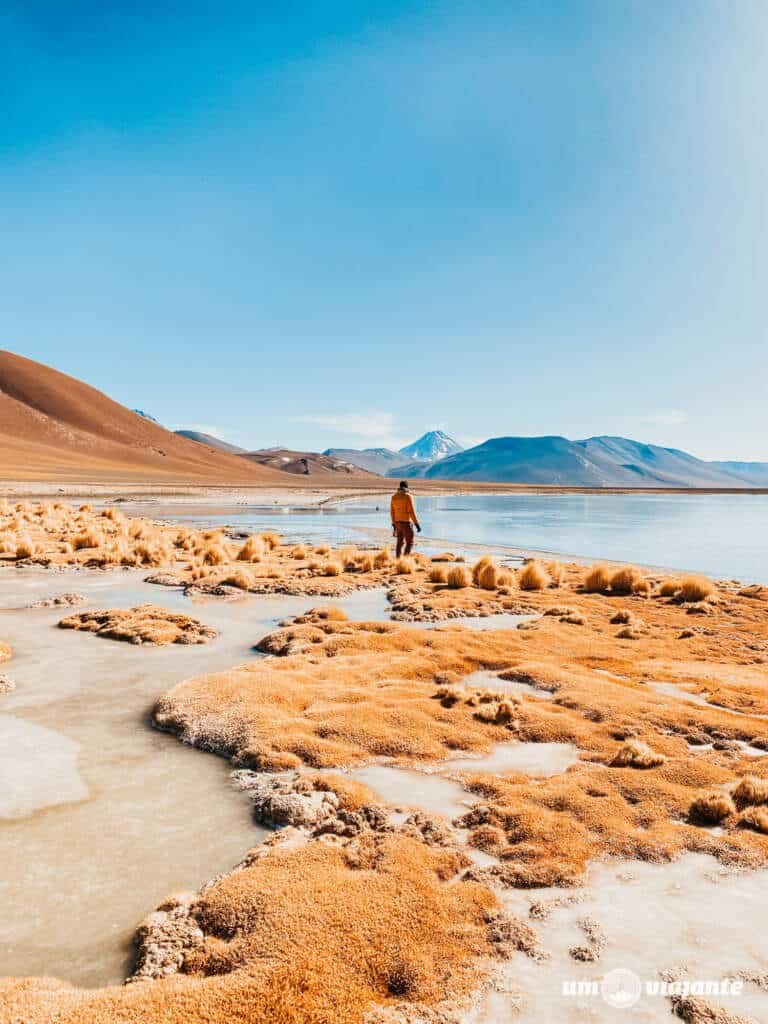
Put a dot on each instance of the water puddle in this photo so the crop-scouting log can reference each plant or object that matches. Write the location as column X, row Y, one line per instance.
column 673, row 690
column 101, row 816
column 490, row 681
column 692, row 914
column 435, row 790
column 504, row 620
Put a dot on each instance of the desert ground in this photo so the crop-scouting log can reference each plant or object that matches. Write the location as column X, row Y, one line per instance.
column 442, row 784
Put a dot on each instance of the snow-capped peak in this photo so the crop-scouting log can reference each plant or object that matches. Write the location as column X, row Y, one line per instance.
column 431, row 447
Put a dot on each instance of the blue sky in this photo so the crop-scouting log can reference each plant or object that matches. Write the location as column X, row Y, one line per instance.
column 345, row 223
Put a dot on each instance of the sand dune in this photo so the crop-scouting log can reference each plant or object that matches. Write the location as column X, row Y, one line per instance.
column 54, row 427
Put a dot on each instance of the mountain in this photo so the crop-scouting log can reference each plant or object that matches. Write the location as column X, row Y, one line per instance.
column 54, row 427
column 310, row 464
column 146, row 415
column 211, row 441
column 755, row 472
column 593, row 462
column 430, row 447
column 375, row 460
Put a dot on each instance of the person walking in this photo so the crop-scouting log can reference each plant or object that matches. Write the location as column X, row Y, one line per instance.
column 404, row 518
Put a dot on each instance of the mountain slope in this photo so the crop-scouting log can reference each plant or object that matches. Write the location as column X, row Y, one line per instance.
column 53, row 427
column 430, row 447
column 310, row 464
column 375, row 460
column 593, row 462
column 211, row 441
column 755, row 473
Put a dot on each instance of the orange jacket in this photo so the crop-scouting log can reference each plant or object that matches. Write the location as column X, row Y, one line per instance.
column 401, row 508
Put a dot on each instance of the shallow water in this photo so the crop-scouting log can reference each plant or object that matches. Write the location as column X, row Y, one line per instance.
column 436, row 791
column 691, row 913
column 718, row 534
column 101, row 816
column 673, row 690
column 491, row 681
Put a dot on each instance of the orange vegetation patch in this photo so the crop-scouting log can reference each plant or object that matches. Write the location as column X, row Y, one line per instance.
column 321, row 932
column 5, row 651
column 145, row 624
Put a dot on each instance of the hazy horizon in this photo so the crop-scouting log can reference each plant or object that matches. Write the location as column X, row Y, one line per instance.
column 343, row 227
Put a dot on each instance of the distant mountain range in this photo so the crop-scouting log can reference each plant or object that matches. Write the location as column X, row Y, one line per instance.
column 592, row 462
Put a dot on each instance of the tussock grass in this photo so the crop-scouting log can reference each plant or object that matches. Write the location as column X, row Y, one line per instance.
column 488, row 577
column 270, row 539
column 478, row 567
column 404, row 566
column 627, row 580
column 330, row 569
column 556, row 573
column 251, row 551
column 322, row 549
column 299, row 552
column 669, row 587
column 382, row 558
column 215, row 554
column 238, row 578
column 438, row 575
column 506, row 579
column 750, row 791
column 711, row 808
column 533, row 577
column 25, row 548
column 695, row 588
column 636, row 754
column 459, row 577
column 90, row 538
column 755, row 818
column 597, row 579
column 83, row 508
column 367, row 563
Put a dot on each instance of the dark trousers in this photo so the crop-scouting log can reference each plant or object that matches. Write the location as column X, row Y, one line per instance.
column 404, row 533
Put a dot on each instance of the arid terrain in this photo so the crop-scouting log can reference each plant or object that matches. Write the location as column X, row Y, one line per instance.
column 606, row 716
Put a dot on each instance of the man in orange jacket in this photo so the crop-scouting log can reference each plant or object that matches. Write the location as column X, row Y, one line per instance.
column 403, row 515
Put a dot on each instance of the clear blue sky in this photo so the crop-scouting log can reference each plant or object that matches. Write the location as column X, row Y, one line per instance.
column 345, row 223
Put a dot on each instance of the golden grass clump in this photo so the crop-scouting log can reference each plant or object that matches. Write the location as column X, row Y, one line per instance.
column 755, row 818
column 478, row 567
column 597, row 580
column 83, row 508
column 215, row 554
column 669, row 587
column 111, row 513
column 90, row 538
column 459, row 577
column 750, row 791
column 382, row 558
column 533, row 576
column 438, row 575
column 695, row 588
column 488, row 577
column 404, row 566
column 366, row 563
column 299, row 552
column 627, row 580
column 506, row 579
column 25, row 548
column 251, row 551
column 239, row 577
column 270, row 539
column 636, row 754
column 711, row 808
column 330, row 569
column 556, row 573
column 322, row 549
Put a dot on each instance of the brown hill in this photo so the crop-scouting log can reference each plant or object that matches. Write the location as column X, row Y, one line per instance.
column 54, row 427
column 319, row 468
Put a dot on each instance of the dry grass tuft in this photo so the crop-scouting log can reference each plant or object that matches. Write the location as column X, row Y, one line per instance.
column 556, row 573
column 366, row 563
column 636, row 754
column 459, row 577
column 669, row 587
column 25, row 548
column 488, row 577
column 330, row 569
column 478, row 567
column 755, row 818
column 251, row 551
column 299, row 552
column 533, row 577
column 695, row 588
column 215, row 554
column 438, row 575
column 270, row 539
column 597, row 580
column 382, row 558
column 628, row 580
column 90, row 538
column 749, row 791
column 404, row 566
column 711, row 808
